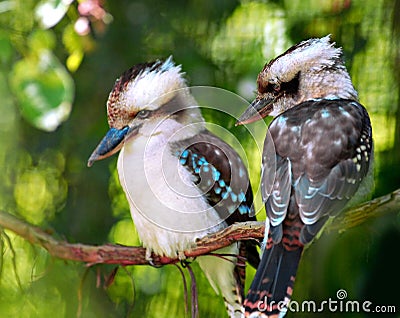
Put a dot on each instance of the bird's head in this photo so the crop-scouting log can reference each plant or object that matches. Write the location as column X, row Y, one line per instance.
column 312, row 69
column 149, row 99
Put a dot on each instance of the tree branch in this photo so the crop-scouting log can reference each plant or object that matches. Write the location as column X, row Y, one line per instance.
column 127, row 255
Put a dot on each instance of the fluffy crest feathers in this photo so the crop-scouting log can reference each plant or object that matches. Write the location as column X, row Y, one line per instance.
column 143, row 86
column 313, row 55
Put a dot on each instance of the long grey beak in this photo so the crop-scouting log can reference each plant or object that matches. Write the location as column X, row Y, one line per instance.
column 110, row 144
column 257, row 110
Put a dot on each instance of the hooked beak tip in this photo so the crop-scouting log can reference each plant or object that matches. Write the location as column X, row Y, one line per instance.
column 110, row 144
column 246, row 119
column 240, row 122
column 91, row 160
column 257, row 110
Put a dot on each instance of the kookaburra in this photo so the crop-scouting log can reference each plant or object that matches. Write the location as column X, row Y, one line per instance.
column 181, row 181
column 322, row 160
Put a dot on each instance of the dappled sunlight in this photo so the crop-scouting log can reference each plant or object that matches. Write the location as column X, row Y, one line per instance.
column 253, row 34
column 58, row 61
column 40, row 190
column 123, row 232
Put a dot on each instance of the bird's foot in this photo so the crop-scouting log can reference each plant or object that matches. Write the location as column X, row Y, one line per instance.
column 149, row 259
column 148, row 255
column 181, row 255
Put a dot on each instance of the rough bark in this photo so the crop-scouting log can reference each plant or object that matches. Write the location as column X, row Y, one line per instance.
column 133, row 255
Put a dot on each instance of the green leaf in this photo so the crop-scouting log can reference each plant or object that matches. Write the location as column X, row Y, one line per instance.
column 74, row 61
column 44, row 90
column 75, row 46
column 6, row 49
column 42, row 39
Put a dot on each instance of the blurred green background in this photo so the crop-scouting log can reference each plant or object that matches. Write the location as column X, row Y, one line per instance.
column 58, row 63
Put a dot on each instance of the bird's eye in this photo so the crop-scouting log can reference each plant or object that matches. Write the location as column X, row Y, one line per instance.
column 275, row 87
column 144, row 113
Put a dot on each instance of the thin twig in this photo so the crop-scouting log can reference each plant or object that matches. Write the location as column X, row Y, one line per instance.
column 193, row 291
column 13, row 259
column 80, row 294
column 185, row 290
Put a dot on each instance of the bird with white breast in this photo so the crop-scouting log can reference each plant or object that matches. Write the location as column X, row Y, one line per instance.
column 181, row 181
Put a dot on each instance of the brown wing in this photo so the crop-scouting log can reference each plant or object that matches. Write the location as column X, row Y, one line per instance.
column 323, row 148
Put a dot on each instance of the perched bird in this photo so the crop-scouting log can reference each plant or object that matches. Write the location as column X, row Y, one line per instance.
column 181, row 181
column 322, row 160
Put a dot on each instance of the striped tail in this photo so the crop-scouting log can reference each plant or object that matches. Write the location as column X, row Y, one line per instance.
column 272, row 287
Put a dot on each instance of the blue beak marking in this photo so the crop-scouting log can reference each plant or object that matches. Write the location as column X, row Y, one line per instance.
column 110, row 144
